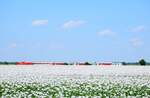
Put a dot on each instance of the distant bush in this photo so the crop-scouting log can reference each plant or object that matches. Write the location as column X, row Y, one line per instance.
column 142, row 62
column 7, row 63
column 124, row 63
column 3, row 63
column 66, row 64
column 87, row 63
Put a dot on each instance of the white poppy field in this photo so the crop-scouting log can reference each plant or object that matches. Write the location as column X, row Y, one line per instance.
column 47, row 81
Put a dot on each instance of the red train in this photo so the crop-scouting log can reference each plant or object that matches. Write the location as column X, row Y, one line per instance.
column 24, row 63
column 62, row 63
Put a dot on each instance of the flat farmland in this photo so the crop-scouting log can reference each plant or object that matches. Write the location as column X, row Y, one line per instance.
column 74, row 81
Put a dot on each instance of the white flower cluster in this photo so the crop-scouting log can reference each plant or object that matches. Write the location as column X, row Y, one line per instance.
column 63, row 82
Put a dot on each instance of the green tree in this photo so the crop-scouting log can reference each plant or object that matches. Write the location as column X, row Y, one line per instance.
column 124, row 63
column 142, row 62
column 87, row 63
column 66, row 63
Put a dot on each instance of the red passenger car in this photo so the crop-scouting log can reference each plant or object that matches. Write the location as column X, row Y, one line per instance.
column 105, row 64
column 24, row 63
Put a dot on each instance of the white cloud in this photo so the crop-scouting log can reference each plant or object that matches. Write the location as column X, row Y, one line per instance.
column 136, row 42
column 40, row 22
column 52, row 45
column 13, row 45
column 73, row 24
column 57, row 46
column 106, row 33
column 140, row 28
column 16, row 45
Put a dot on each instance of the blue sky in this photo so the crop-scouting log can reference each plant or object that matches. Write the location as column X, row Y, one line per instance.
column 74, row 30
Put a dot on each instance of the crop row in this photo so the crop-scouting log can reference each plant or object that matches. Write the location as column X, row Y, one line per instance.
column 68, row 89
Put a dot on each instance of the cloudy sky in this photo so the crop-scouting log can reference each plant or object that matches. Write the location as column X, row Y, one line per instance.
column 74, row 30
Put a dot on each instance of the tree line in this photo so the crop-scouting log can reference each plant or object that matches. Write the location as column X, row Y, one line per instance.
column 141, row 62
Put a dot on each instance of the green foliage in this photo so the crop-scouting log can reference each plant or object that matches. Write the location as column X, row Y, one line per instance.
column 7, row 63
column 124, row 63
column 87, row 63
column 67, row 90
column 142, row 62
column 66, row 64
